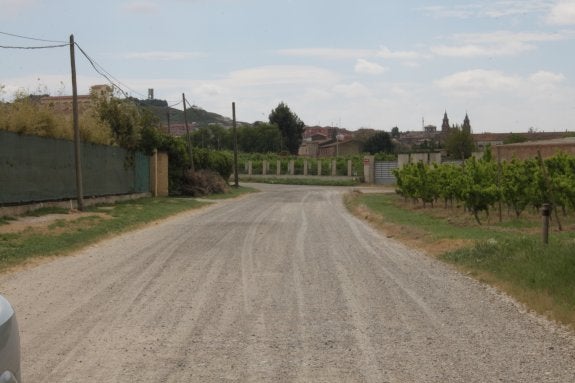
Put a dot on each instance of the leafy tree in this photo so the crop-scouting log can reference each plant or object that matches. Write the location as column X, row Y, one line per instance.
column 126, row 120
column 379, row 142
column 259, row 138
column 459, row 143
column 395, row 132
column 514, row 138
column 290, row 126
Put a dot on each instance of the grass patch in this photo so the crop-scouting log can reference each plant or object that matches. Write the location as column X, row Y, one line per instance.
column 46, row 211
column 4, row 220
column 509, row 255
column 543, row 276
column 64, row 236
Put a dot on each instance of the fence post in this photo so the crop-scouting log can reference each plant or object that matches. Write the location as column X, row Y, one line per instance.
column 319, row 167
column 305, row 167
column 291, row 167
column 333, row 168
column 250, row 168
column 349, row 168
column 545, row 213
column 265, row 167
column 278, row 167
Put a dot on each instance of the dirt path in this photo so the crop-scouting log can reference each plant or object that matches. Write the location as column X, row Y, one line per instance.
column 280, row 286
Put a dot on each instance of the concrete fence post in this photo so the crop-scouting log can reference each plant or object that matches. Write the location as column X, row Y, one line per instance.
column 319, row 167
column 349, row 168
column 250, row 167
column 333, row 167
column 291, row 167
column 265, row 167
column 278, row 167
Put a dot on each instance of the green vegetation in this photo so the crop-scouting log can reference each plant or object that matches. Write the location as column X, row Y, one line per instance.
column 45, row 211
column 481, row 184
column 289, row 125
column 509, row 254
column 543, row 276
column 380, row 142
column 99, row 222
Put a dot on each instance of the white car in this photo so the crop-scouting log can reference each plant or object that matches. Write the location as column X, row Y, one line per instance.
column 9, row 344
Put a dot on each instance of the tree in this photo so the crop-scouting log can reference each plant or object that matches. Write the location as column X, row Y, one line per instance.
column 395, row 132
column 289, row 125
column 514, row 138
column 126, row 120
column 459, row 143
column 379, row 142
column 259, row 138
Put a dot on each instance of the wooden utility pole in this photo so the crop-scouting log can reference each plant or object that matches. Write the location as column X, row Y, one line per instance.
column 236, row 180
column 168, row 118
column 188, row 135
column 77, row 157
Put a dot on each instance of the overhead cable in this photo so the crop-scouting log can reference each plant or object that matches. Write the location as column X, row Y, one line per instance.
column 104, row 73
column 32, row 38
column 38, row 47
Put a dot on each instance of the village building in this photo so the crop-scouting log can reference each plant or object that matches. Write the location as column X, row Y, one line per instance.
column 64, row 104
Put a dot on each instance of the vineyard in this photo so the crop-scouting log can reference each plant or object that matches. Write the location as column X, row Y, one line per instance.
column 484, row 185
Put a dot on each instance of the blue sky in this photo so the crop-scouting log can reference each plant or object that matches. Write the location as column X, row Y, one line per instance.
column 377, row 64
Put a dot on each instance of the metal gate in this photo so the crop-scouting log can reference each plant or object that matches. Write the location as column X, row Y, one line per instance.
column 384, row 172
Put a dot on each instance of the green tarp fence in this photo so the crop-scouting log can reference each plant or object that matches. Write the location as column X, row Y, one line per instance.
column 36, row 169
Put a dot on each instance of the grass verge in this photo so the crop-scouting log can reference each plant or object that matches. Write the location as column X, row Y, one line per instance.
column 74, row 231
column 508, row 255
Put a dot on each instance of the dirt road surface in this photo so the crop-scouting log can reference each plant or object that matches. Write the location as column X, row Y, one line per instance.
column 279, row 286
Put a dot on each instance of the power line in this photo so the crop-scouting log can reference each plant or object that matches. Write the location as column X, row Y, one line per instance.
column 104, row 73
column 33, row 38
column 37, row 47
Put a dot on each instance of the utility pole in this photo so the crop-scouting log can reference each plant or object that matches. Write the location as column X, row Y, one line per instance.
column 77, row 159
column 236, row 181
column 188, row 134
column 168, row 118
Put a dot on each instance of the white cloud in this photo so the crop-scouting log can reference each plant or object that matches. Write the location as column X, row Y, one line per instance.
column 11, row 7
column 491, row 9
column 562, row 13
column 367, row 67
column 353, row 90
column 476, row 50
column 281, row 74
column 386, row 53
column 327, row 53
column 163, row 55
column 547, row 77
column 500, row 43
column 477, row 82
column 141, row 7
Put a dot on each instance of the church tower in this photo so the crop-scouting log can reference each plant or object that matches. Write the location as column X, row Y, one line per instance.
column 445, row 125
column 466, row 124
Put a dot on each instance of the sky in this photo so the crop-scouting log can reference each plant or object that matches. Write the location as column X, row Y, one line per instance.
column 508, row 64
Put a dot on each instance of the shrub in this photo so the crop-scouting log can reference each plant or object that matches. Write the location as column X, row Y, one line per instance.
column 202, row 183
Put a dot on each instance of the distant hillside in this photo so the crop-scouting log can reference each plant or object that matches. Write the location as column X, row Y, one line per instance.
column 195, row 114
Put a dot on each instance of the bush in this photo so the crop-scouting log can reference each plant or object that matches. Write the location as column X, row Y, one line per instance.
column 202, row 183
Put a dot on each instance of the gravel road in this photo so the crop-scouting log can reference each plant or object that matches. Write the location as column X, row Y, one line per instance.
column 279, row 286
